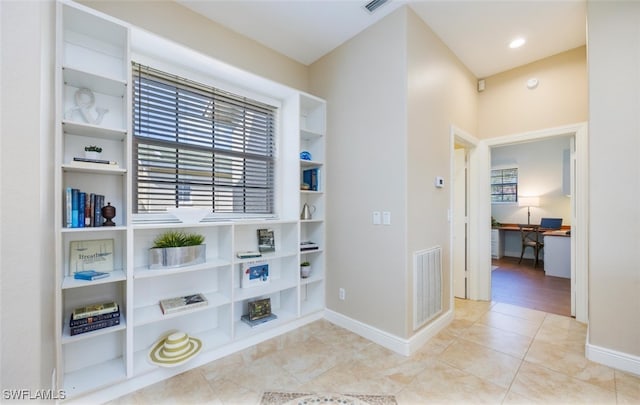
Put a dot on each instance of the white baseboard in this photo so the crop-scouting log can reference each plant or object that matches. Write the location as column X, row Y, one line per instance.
column 402, row 346
column 614, row 359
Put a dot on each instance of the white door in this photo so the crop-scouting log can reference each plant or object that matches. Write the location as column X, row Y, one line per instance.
column 460, row 223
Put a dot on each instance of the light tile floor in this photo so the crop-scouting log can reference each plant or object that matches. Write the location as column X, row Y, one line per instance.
column 491, row 353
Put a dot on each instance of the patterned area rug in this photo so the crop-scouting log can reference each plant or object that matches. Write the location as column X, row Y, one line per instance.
column 304, row 398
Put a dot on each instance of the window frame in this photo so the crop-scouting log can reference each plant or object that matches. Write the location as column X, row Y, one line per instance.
column 205, row 80
column 504, row 184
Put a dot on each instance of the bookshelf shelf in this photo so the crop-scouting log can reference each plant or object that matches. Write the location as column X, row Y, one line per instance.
column 94, row 229
column 310, row 163
column 145, row 272
column 103, row 169
column 153, row 313
column 93, row 131
column 97, row 82
column 95, row 376
column 114, row 277
column 67, row 338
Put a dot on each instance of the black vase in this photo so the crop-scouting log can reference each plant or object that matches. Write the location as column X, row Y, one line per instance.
column 108, row 212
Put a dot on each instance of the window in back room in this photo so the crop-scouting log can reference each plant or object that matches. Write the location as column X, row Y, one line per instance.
column 504, row 185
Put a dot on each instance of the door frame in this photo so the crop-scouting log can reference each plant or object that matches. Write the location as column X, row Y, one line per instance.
column 479, row 278
column 473, row 252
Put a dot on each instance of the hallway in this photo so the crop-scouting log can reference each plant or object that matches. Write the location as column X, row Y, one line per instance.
column 526, row 286
column 492, row 353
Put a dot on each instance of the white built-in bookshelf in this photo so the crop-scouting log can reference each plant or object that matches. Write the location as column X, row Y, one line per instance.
column 93, row 52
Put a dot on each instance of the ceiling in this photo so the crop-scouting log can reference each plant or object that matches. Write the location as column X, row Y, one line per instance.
column 477, row 31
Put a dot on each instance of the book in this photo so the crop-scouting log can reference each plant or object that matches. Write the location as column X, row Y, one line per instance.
column 90, row 327
column 97, row 212
column 68, row 207
column 87, row 210
column 94, row 254
column 92, row 207
column 79, row 161
column 75, row 202
column 176, row 304
column 92, row 319
column 308, row 245
column 82, row 200
column 94, row 309
column 310, row 177
column 248, row 254
column 90, row 275
column 266, row 240
column 256, row 322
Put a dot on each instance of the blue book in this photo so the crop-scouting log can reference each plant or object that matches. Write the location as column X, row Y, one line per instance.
column 75, row 203
column 90, row 275
column 310, row 177
column 82, row 200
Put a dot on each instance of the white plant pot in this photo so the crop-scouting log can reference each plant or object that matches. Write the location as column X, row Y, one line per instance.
column 305, row 271
column 160, row 258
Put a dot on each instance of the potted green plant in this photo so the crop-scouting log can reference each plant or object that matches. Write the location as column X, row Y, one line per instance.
column 176, row 249
column 92, row 152
column 305, row 269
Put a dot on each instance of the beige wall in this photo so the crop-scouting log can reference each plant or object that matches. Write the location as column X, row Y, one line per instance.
column 614, row 147
column 392, row 93
column 173, row 21
column 364, row 83
column 507, row 106
column 26, row 176
column 441, row 92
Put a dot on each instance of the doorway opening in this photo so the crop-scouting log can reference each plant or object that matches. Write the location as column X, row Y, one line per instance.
column 478, row 277
column 539, row 175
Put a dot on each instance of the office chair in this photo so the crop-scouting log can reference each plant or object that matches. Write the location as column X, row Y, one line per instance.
column 531, row 237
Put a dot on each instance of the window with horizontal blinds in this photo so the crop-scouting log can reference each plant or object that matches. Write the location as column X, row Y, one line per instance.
column 195, row 145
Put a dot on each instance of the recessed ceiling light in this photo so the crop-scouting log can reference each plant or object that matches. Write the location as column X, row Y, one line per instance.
column 517, row 43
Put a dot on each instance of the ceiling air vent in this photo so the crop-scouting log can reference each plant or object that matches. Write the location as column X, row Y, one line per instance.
column 374, row 4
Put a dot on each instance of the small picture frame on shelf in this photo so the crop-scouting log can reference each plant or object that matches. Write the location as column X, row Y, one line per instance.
column 259, row 308
column 90, row 255
column 266, row 241
column 254, row 274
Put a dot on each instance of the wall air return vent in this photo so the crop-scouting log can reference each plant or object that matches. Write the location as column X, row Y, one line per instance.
column 374, row 4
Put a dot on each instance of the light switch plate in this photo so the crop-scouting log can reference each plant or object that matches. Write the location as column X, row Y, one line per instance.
column 376, row 218
column 386, row 218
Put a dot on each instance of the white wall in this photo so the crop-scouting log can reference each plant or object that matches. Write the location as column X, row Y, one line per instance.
column 26, row 201
column 614, row 173
column 540, row 170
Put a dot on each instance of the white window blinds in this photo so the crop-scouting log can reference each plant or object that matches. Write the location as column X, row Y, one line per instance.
column 196, row 145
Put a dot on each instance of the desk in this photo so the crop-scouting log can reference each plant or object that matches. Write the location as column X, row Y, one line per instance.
column 506, row 241
column 557, row 254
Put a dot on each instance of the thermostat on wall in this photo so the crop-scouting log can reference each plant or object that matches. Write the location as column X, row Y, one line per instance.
column 439, row 181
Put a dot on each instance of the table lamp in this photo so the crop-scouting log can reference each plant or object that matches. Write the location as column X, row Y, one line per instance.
column 528, row 202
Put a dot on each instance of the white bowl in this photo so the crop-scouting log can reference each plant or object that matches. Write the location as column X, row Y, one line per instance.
column 189, row 215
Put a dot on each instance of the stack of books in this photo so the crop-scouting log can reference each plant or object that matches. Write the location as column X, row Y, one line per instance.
column 94, row 317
